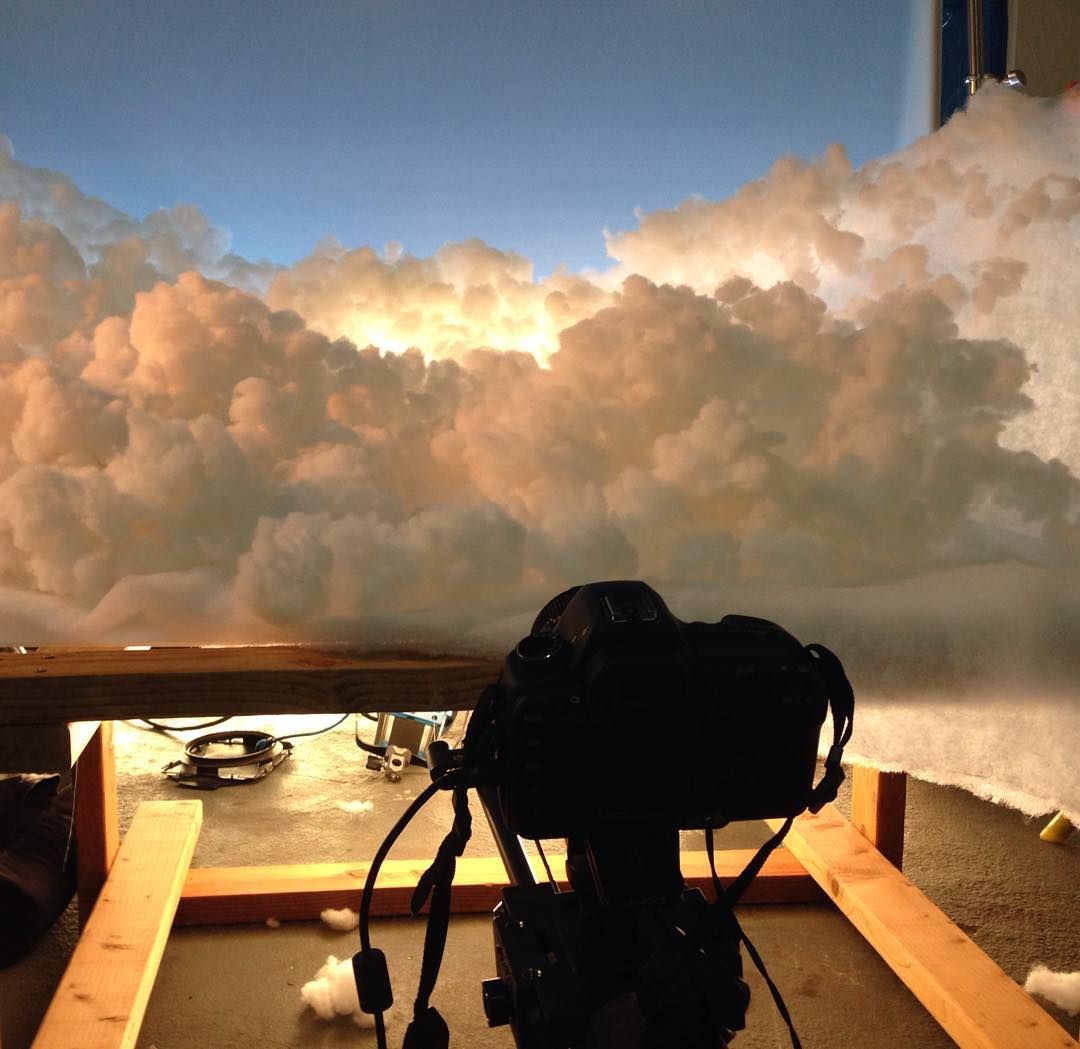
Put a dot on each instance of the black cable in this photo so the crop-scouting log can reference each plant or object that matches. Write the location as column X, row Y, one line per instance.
column 159, row 726
column 547, row 866
column 395, row 831
column 373, row 872
column 316, row 732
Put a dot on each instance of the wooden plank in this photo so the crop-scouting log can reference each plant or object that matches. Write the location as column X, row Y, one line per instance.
column 230, row 895
column 97, row 826
column 976, row 1003
column 113, row 684
column 878, row 809
column 102, row 996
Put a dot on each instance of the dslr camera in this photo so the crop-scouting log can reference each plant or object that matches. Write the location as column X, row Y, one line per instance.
column 615, row 726
column 730, row 712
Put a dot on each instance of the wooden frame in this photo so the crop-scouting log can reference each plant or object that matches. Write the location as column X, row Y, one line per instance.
column 855, row 864
column 107, row 983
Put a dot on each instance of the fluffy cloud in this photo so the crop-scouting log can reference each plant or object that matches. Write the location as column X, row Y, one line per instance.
column 983, row 213
column 465, row 296
column 837, row 378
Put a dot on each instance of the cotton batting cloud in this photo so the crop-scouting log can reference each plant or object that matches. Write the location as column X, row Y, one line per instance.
column 343, row 920
column 467, row 295
column 1063, row 989
column 332, row 993
column 844, row 399
column 983, row 213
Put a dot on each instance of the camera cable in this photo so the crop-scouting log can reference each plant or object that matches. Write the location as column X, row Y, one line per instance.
column 428, row 1029
column 369, row 964
column 547, row 866
column 159, row 726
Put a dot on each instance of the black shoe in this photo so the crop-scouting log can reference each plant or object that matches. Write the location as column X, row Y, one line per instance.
column 37, row 860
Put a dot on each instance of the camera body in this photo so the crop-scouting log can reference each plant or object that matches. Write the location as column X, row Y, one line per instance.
column 729, row 713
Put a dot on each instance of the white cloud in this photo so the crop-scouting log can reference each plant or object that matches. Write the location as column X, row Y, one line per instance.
column 836, row 378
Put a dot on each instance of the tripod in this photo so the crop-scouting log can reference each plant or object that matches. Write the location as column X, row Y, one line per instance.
column 629, row 958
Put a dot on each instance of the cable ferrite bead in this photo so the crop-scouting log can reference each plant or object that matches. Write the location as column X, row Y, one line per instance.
column 372, row 980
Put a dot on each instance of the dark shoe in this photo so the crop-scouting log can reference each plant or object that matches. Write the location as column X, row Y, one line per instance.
column 37, row 861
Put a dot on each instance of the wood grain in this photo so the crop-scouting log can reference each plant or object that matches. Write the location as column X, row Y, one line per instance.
column 103, row 993
column 61, row 685
column 976, row 1003
column 878, row 810
column 300, row 892
column 97, row 824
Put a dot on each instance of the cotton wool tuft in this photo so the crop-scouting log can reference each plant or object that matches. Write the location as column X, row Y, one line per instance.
column 344, row 920
column 332, row 993
column 1061, row 988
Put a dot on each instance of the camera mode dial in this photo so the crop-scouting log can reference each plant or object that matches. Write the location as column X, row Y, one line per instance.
column 539, row 648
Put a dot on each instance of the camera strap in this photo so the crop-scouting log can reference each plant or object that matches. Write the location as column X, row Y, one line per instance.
column 428, row 1029
column 724, row 917
column 842, row 709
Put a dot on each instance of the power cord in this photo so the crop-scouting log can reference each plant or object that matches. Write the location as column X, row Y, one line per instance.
column 159, row 726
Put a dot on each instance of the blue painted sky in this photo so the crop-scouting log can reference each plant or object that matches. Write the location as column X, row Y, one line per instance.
column 531, row 125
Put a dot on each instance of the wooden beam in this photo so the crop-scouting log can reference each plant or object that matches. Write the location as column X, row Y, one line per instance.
column 103, row 993
column 97, row 826
column 878, row 808
column 233, row 895
column 976, row 1003
column 113, row 684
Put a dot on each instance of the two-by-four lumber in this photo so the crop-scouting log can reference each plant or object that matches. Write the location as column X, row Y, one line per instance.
column 112, row 684
column 878, row 809
column 300, row 892
column 102, row 996
column 97, row 825
column 976, row 1003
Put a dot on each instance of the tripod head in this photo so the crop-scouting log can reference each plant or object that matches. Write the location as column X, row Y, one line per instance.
column 631, row 960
